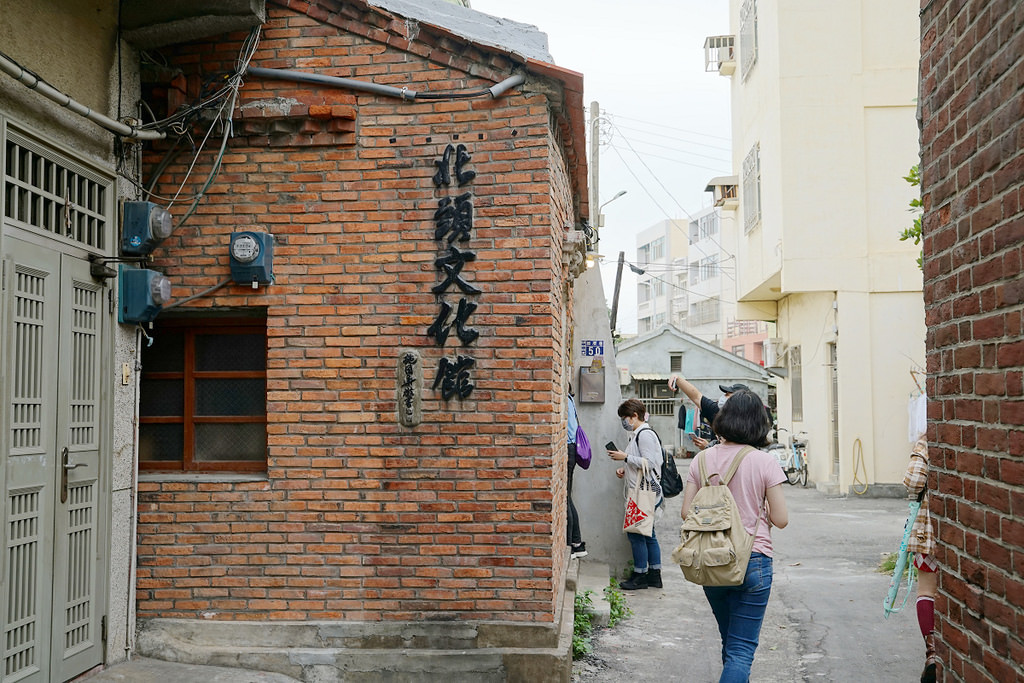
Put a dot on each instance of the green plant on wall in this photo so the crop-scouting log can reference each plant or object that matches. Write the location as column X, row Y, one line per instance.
column 914, row 231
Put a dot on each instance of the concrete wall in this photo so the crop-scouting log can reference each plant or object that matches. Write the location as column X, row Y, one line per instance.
column 830, row 102
column 73, row 46
column 597, row 493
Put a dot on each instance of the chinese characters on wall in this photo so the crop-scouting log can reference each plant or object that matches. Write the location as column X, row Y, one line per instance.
column 453, row 226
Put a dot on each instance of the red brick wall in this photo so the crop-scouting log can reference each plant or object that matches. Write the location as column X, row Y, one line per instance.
column 972, row 61
column 462, row 516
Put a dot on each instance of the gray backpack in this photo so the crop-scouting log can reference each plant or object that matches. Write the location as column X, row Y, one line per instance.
column 714, row 548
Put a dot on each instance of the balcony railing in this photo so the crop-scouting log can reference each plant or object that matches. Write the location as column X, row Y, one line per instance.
column 660, row 406
column 720, row 54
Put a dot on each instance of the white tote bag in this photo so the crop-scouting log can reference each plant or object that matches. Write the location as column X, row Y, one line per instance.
column 640, row 505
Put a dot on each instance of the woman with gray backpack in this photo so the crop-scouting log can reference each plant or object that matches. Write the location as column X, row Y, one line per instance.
column 753, row 479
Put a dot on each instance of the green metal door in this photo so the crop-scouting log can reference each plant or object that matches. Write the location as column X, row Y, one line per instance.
column 53, row 569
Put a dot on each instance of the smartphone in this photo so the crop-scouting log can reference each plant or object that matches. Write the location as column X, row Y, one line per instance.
column 611, row 446
column 688, row 443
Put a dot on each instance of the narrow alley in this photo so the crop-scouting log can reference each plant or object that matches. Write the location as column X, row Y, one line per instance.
column 824, row 619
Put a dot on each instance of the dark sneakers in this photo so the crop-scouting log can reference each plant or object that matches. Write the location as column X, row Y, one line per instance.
column 636, row 582
column 654, row 578
column 578, row 551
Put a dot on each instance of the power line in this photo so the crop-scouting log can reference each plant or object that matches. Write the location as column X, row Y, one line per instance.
column 674, row 160
column 685, row 130
column 673, row 221
column 672, row 137
column 662, row 145
column 723, row 249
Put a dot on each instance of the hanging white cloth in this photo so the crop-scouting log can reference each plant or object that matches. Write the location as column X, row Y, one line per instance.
column 917, row 414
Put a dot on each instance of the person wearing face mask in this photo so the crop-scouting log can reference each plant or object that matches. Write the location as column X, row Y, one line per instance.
column 644, row 444
column 708, row 408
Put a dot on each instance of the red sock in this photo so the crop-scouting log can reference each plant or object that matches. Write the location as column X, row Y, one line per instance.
column 926, row 614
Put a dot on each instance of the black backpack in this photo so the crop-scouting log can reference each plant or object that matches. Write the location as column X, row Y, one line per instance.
column 671, row 482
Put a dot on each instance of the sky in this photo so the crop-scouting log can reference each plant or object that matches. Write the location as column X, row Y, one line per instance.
column 666, row 125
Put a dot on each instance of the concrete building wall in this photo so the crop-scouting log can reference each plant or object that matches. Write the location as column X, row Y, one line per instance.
column 659, row 279
column 828, row 105
column 359, row 518
column 73, row 46
column 971, row 161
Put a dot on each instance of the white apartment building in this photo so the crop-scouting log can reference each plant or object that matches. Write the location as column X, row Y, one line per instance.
column 661, row 269
column 823, row 115
column 711, row 275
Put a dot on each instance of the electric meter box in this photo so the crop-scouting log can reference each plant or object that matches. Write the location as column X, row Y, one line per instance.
column 252, row 257
column 145, row 225
column 142, row 294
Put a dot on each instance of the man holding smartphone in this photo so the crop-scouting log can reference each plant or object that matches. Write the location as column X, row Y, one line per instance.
column 707, row 407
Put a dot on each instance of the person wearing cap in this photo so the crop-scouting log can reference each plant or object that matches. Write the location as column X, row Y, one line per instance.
column 708, row 408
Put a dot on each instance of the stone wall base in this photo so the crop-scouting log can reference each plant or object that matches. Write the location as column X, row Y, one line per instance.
column 332, row 651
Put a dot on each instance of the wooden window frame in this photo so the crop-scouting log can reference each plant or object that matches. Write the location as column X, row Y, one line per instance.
column 190, row 328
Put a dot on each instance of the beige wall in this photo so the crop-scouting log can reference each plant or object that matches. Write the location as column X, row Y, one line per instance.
column 830, row 101
column 72, row 45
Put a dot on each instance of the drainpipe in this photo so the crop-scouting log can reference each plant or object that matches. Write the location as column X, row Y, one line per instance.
column 11, row 68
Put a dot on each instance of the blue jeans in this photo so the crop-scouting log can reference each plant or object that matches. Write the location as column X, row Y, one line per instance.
column 646, row 552
column 739, row 611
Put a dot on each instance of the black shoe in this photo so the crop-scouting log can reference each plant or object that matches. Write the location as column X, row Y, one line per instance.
column 635, row 582
column 578, row 551
column 654, row 578
column 928, row 675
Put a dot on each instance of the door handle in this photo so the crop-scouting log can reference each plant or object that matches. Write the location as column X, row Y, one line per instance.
column 64, row 467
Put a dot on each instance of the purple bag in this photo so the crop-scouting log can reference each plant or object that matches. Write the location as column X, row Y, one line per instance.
column 582, row 448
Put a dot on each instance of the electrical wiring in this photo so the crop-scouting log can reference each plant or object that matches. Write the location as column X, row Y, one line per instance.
column 685, row 130
column 209, row 290
column 665, row 147
column 179, row 121
column 655, row 201
column 689, row 291
column 222, row 118
column 674, row 160
column 681, row 207
column 662, row 136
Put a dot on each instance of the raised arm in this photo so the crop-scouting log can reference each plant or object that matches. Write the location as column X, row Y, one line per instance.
column 677, row 382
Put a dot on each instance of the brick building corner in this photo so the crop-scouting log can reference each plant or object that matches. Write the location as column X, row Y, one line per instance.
column 971, row 106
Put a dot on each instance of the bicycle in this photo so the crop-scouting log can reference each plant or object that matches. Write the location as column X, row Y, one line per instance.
column 791, row 456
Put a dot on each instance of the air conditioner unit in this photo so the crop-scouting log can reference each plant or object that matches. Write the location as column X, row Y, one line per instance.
column 661, row 390
column 774, row 352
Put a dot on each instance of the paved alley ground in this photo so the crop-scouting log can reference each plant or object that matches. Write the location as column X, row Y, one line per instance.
column 824, row 619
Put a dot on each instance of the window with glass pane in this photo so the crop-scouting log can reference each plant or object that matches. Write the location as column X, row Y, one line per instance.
column 203, row 398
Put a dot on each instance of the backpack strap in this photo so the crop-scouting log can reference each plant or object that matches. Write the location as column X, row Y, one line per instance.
column 704, row 481
column 660, row 447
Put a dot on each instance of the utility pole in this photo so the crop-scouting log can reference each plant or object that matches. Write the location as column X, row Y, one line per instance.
column 615, row 297
column 594, row 195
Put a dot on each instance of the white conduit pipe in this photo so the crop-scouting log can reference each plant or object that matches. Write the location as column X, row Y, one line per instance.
column 375, row 88
column 510, row 82
column 29, row 79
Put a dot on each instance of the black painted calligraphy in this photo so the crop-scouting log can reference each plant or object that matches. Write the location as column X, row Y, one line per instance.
column 453, row 377
column 451, row 265
column 453, row 222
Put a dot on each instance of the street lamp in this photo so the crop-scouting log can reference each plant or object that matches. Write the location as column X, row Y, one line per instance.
column 599, row 223
column 600, row 216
